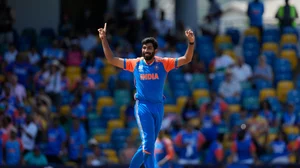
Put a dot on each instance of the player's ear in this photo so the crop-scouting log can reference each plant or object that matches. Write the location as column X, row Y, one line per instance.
column 155, row 51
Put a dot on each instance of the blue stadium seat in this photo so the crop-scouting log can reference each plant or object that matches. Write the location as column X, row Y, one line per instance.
column 290, row 30
column 232, row 100
column 271, row 35
column 262, row 84
column 249, row 93
column 105, row 146
column 282, row 66
column 293, row 47
column 251, row 103
column 283, row 76
column 271, row 57
column 293, row 97
column 275, row 104
column 125, row 76
column 101, row 93
column 219, row 77
column 24, row 43
column 179, row 93
column 97, row 123
column 200, row 85
column 234, row 34
column 204, row 40
column 110, row 112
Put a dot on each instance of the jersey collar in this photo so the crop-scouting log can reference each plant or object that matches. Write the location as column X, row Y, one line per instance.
column 149, row 63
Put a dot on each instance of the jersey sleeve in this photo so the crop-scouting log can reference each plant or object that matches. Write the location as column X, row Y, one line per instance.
column 169, row 149
column 170, row 63
column 129, row 64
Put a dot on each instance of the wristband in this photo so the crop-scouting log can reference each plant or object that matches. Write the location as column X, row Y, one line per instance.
column 191, row 43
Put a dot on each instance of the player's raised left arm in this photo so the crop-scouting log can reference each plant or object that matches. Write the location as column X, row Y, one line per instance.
column 187, row 58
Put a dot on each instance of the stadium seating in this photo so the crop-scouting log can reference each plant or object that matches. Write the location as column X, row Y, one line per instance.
column 291, row 56
column 283, row 87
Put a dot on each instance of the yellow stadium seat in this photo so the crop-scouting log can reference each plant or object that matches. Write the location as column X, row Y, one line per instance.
column 283, row 87
column 289, row 38
column 104, row 101
column 73, row 70
column 291, row 56
column 2, row 78
column 181, row 101
column 292, row 158
column 122, row 112
column 102, row 138
column 71, row 164
column 199, row 93
column 114, row 124
column 271, row 137
column 252, row 31
column 230, row 53
column 222, row 39
column 65, row 110
column 234, row 108
column 168, row 108
column 291, row 130
column 270, row 47
column 110, row 152
column 265, row 93
column 135, row 132
column 108, row 71
column 114, row 160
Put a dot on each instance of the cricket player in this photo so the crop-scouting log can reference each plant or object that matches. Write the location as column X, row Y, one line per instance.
column 150, row 73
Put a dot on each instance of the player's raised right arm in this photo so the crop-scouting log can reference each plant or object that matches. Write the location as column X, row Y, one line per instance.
column 116, row 61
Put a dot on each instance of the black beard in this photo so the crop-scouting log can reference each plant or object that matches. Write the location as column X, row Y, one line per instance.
column 148, row 58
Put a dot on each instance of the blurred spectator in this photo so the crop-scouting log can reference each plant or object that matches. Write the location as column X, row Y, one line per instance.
column 257, row 124
column 255, row 13
column 34, row 56
column 164, row 151
column 127, row 152
column 66, row 26
column 93, row 65
column 11, row 55
column 212, row 19
column 163, row 25
column 52, row 78
column 13, row 148
column 96, row 157
column 88, row 41
column 221, row 62
column 289, row 117
column 218, row 104
column 125, row 12
column 35, row 158
column 263, row 70
column 241, row 71
column 229, row 87
column 56, row 139
column 22, row 69
column 74, row 55
column 287, row 15
column 53, row 52
column 76, row 142
column 7, row 17
column 171, row 52
column 190, row 110
column 267, row 113
column 78, row 109
column 215, row 154
column 29, row 133
column 243, row 149
column 279, row 149
column 153, row 13
column 210, row 121
column 188, row 144
column 18, row 90
column 8, row 97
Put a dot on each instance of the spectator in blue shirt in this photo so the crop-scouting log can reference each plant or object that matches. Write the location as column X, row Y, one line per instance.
column 255, row 12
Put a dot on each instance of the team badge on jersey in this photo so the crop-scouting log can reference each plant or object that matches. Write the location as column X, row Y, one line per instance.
column 140, row 68
column 156, row 67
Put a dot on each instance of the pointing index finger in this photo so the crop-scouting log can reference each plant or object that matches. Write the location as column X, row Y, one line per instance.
column 105, row 27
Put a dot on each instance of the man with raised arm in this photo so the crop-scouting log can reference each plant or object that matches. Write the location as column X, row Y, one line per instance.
column 150, row 73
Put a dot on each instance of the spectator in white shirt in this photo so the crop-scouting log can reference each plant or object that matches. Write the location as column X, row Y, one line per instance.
column 171, row 52
column 53, row 81
column 88, row 41
column 163, row 26
column 29, row 134
column 229, row 87
column 222, row 61
column 11, row 54
column 17, row 89
column 241, row 71
column 34, row 56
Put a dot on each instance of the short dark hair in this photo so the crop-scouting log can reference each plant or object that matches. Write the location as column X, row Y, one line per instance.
column 151, row 40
